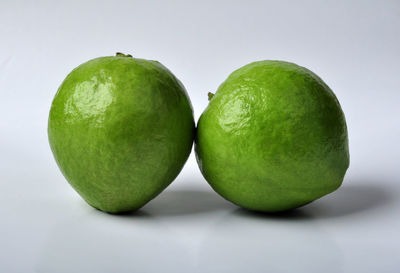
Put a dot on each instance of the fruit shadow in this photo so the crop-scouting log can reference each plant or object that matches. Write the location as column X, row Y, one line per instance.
column 354, row 197
column 179, row 202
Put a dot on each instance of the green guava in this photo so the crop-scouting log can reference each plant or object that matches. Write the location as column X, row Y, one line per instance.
column 272, row 138
column 120, row 129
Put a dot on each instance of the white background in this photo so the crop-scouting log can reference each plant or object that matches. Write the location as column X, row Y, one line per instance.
column 353, row 45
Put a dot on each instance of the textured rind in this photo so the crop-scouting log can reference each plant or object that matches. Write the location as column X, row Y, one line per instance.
column 120, row 129
column 273, row 138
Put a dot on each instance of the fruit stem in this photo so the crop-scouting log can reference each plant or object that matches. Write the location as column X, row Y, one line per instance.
column 119, row 54
column 210, row 96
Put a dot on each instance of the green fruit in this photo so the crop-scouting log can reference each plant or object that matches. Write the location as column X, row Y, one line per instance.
column 273, row 138
column 120, row 129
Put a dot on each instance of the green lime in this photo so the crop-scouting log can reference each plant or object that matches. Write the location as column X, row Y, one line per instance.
column 120, row 129
column 273, row 138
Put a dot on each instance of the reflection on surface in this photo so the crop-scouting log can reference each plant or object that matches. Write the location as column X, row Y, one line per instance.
column 243, row 240
column 98, row 242
column 161, row 236
column 192, row 230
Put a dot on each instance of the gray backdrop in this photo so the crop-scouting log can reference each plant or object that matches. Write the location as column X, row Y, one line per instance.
column 352, row 45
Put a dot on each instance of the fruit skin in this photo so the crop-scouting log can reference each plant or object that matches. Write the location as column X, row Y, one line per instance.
column 272, row 138
column 120, row 129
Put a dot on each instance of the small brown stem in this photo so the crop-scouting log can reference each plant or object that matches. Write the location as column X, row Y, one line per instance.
column 119, row 54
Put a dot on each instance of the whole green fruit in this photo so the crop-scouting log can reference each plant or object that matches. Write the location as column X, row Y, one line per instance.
column 273, row 138
column 120, row 129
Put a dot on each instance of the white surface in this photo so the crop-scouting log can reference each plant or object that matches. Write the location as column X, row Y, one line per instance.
column 354, row 47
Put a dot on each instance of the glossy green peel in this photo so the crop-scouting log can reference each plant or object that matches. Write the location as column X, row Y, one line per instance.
column 120, row 129
column 273, row 138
